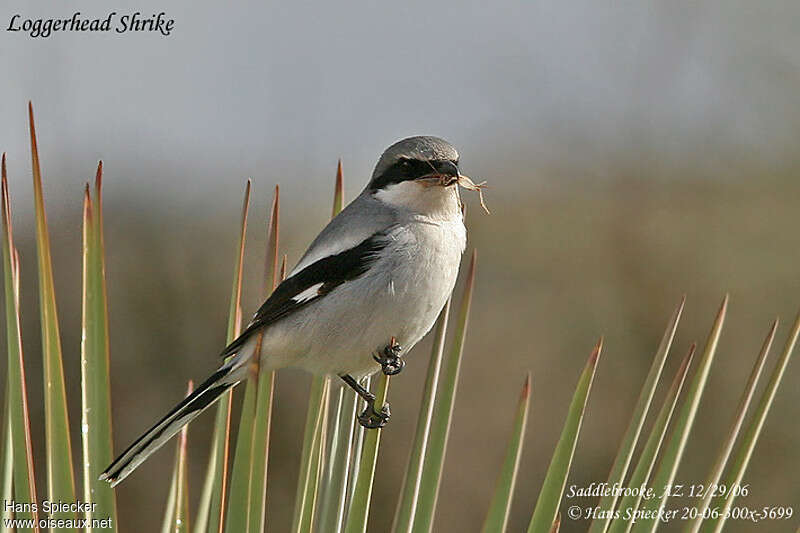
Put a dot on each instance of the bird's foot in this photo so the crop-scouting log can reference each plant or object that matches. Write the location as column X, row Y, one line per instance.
column 390, row 360
column 372, row 419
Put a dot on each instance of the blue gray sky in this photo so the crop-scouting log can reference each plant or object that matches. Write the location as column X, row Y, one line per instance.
column 279, row 90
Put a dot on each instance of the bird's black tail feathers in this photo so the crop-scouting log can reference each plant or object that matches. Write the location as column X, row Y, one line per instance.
column 180, row 415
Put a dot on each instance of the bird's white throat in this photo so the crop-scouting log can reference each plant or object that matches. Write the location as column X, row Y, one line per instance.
column 434, row 201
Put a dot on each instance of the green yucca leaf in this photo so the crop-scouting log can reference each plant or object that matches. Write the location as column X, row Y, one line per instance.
column 675, row 445
column 260, row 452
column 334, row 486
column 631, row 437
column 315, row 434
column 333, row 489
column 96, row 439
column 745, row 450
column 266, row 387
column 500, row 507
column 311, row 456
column 358, row 443
column 239, row 496
column 719, row 465
column 409, row 494
column 16, row 393
column 7, row 480
column 60, row 477
column 169, row 511
column 181, row 482
column 211, row 512
column 443, row 414
column 545, row 514
column 358, row 513
column 644, row 466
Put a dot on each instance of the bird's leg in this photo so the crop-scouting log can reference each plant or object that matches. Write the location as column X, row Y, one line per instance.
column 390, row 360
column 370, row 418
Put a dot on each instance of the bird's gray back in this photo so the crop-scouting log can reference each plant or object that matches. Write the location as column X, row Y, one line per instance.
column 362, row 218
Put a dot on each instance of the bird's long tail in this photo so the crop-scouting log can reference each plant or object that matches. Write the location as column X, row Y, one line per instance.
column 206, row 393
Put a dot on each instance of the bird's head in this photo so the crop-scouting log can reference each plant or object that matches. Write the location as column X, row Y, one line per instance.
column 420, row 174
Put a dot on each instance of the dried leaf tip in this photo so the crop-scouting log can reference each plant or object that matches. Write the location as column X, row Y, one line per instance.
column 338, row 190
column 724, row 306
column 98, row 178
column 31, row 123
column 556, row 524
column 526, row 387
column 682, row 304
column 687, row 359
column 471, row 271
column 283, row 267
column 596, row 352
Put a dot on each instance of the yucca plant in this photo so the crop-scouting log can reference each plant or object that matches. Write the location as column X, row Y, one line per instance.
column 340, row 459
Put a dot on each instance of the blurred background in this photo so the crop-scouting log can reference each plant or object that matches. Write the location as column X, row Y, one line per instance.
column 635, row 151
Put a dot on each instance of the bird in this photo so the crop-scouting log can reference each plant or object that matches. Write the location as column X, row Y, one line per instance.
column 368, row 288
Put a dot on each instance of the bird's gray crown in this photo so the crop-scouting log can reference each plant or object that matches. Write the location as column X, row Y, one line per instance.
column 423, row 150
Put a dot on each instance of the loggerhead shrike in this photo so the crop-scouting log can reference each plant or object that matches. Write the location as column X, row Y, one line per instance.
column 369, row 287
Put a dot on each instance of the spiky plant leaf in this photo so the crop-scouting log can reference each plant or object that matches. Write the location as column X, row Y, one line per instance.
column 545, row 514
column 409, row 493
column 644, row 466
column 673, row 452
column 58, row 444
column 169, row 512
column 239, row 496
column 7, row 455
column 311, row 456
column 443, row 414
column 745, row 450
column 266, row 386
column 719, row 465
column 96, row 439
column 631, row 437
column 211, row 512
column 16, row 393
column 358, row 513
column 181, row 476
column 334, row 486
column 315, row 435
column 358, row 443
column 500, row 507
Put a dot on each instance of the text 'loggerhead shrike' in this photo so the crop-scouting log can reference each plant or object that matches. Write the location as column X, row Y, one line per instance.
column 368, row 289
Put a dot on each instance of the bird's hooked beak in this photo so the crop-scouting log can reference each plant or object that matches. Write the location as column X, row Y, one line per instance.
column 443, row 173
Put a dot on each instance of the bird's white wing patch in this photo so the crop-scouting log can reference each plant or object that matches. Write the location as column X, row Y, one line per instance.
column 308, row 294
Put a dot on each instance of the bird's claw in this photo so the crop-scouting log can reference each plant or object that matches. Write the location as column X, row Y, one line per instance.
column 372, row 419
column 390, row 360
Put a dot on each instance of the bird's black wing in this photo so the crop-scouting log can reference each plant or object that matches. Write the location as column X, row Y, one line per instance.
column 312, row 283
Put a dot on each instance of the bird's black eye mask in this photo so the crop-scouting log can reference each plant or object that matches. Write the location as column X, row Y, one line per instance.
column 405, row 169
